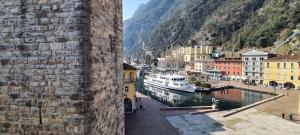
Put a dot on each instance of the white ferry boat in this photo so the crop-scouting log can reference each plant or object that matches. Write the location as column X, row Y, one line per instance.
column 168, row 81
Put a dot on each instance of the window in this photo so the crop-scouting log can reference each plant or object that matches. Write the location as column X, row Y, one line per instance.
column 254, row 59
column 292, row 65
column 246, row 73
column 268, row 65
column 233, row 73
column 253, row 63
column 278, row 65
column 126, row 88
column 238, row 73
column 292, row 77
column 284, row 65
column 298, row 77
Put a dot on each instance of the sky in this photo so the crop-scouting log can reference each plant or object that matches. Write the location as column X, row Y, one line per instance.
column 130, row 6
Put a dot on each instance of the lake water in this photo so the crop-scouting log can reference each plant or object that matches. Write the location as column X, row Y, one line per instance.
column 228, row 99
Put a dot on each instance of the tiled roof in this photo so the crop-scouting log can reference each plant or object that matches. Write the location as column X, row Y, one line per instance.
column 229, row 59
column 128, row 67
column 287, row 58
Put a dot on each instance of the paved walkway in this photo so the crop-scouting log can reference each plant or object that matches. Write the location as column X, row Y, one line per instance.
column 152, row 121
column 286, row 104
column 249, row 122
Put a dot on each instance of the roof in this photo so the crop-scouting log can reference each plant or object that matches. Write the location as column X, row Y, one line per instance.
column 128, row 67
column 235, row 59
column 204, row 60
column 255, row 52
column 283, row 58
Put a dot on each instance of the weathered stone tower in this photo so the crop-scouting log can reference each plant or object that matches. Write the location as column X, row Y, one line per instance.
column 61, row 67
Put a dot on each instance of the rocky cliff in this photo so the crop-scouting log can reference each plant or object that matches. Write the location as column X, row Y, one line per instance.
column 231, row 24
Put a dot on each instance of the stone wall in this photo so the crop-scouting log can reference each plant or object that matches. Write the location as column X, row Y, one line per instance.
column 61, row 67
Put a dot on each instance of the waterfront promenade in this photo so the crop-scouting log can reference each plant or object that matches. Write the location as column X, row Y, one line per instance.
column 154, row 121
column 151, row 121
column 289, row 103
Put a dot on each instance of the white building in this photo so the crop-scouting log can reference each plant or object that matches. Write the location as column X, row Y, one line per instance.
column 253, row 66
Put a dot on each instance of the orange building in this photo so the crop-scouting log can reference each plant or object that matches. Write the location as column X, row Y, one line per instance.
column 231, row 66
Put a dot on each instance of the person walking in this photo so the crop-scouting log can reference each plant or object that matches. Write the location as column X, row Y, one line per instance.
column 144, row 106
column 141, row 107
column 290, row 116
column 283, row 115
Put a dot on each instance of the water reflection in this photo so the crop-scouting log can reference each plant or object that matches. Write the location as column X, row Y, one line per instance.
column 229, row 99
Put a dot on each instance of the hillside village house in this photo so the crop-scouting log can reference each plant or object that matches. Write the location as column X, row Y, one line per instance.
column 192, row 53
column 282, row 71
column 253, row 66
column 202, row 52
column 232, row 67
column 129, row 87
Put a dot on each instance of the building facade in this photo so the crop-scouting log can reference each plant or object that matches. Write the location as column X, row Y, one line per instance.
column 202, row 52
column 231, row 66
column 190, row 67
column 253, row 66
column 189, row 57
column 204, row 64
column 283, row 71
column 129, row 87
column 61, row 67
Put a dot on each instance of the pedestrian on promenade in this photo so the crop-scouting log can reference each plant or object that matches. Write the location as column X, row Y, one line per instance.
column 290, row 116
column 144, row 106
column 141, row 106
column 283, row 115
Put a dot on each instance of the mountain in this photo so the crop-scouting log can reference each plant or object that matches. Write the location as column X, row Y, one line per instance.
column 231, row 24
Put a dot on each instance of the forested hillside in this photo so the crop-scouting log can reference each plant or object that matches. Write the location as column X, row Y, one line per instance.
column 232, row 24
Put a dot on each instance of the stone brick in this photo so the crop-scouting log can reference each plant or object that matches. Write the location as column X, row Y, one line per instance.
column 52, row 55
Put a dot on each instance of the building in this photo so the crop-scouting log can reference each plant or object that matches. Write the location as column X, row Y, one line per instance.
column 129, row 87
column 189, row 57
column 161, row 62
column 282, row 71
column 214, row 74
column 61, row 67
column 190, row 67
column 253, row 66
column 203, row 64
column 231, row 66
column 202, row 52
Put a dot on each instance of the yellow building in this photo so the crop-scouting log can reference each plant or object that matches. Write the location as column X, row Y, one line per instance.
column 129, row 87
column 189, row 57
column 282, row 71
column 202, row 52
